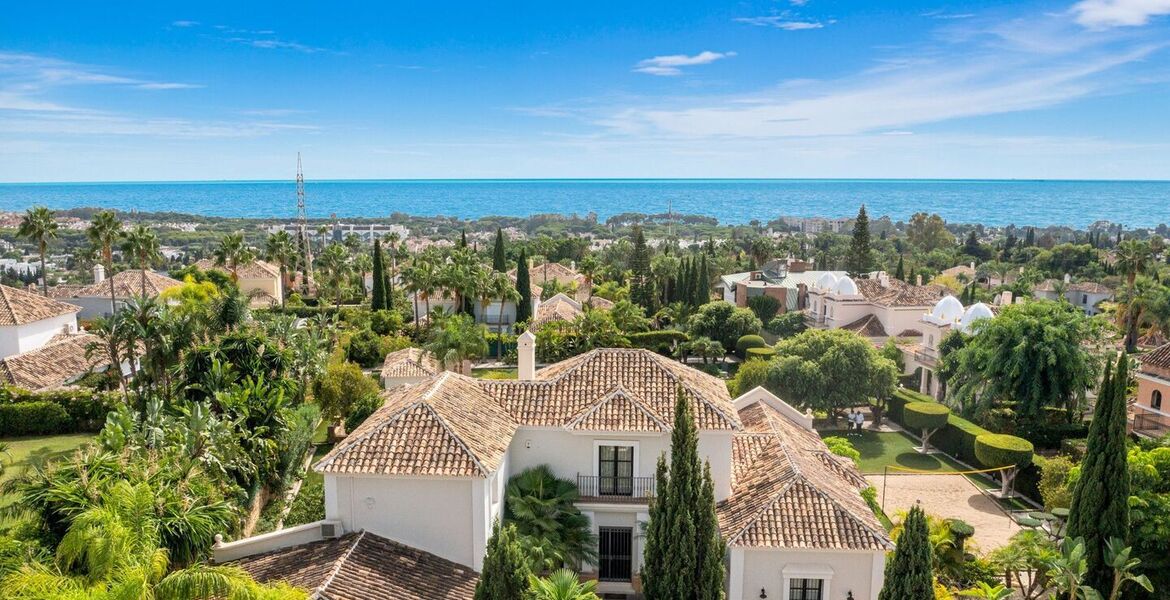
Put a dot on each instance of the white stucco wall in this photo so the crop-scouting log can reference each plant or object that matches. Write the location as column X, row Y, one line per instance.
column 30, row 336
column 847, row 571
column 443, row 516
column 93, row 307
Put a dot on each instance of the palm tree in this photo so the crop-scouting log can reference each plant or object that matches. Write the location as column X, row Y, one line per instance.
column 103, row 232
column 363, row 263
column 425, row 279
column 232, row 252
column 322, row 230
column 39, row 227
column 456, row 338
column 1133, row 259
column 501, row 288
column 335, row 263
column 544, row 245
column 551, row 527
column 282, row 250
column 563, row 584
column 589, row 266
column 142, row 243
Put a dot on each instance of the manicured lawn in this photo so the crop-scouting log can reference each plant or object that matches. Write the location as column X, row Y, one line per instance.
column 893, row 449
column 27, row 450
column 495, row 373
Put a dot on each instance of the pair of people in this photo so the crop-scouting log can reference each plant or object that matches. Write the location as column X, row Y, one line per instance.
column 855, row 421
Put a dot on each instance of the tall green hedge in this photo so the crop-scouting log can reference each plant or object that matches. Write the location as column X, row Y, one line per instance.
column 84, row 410
column 34, row 418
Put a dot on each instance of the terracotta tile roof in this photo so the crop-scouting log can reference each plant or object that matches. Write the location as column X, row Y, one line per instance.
column 262, row 299
column 363, row 566
column 256, row 269
column 410, row 362
column 446, row 426
column 600, row 303
column 1158, row 357
column 128, row 284
column 899, row 293
column 558, row 308
column 867, row 326
column 556, row 272
column 618, row 411
column 18, row 307
column 53, row 365
column 1087, row 287
column 788, row 491
column 565, row 390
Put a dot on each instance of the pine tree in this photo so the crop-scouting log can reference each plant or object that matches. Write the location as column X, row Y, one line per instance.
column 505, row 574
column 641, row 279
column 1100, row 501
column 524, row 288
column 909, row 572
column 860, row 257
column 900, row 272
column 499, row 260
column 378, row 302
column 683, row 555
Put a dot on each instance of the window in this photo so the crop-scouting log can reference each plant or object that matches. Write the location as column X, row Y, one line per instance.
column 806, row 589
column 615, row 470
column 1156, row 399
column 614, row 551
column 1084, row 298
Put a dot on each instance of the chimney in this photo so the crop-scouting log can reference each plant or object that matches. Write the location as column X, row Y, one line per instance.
column 1067, row 278
column 884, row 279
column 526, row 356
column 99, row 273
column 918, row 279
column 1005, row 298
column 972, row 265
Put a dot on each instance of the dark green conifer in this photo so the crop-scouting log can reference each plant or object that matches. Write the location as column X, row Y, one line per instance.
column 909, row 571
column 900, row 272
column 499, row 260
column 463, row 238
column 1100, row 500
column 505, row 574
column 860, row 257
column 524, row 288
column 642, row 286
column 378, row 300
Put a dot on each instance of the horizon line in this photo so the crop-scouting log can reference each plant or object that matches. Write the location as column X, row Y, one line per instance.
column 588, row 179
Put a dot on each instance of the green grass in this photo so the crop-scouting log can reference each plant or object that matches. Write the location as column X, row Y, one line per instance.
column 893, row 449
column 26, row 451
column 507, row 373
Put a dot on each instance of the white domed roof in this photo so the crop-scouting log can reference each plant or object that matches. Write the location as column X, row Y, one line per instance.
column 947, row 310
column 974, row 313
column 846, row 287
column 827, row 281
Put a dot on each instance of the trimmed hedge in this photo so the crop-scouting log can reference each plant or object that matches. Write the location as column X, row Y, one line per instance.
column 765, row 353
column 34, row 418
column 1003, row 450
column 86, row 409
column 925, row 415
column 746, row 342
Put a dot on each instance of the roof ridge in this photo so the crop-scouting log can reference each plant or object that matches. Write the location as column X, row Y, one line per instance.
column 458, row 438
column 346, row 444
column 760, row 513
column 341, row 562
column 844, row 509
column 618, row 390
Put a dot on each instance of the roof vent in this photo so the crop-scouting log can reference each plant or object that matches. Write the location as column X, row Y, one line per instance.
column 328, row 530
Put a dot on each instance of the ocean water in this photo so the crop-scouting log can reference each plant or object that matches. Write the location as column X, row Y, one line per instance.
column 991, row 202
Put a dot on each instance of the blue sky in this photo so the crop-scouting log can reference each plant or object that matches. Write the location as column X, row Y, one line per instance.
column 796, row 88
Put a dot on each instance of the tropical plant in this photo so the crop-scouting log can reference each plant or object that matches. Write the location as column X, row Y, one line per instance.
column 39, row 226
column 281, row 250
column 336, row 267
column 563, row 584
column 552, row 531
column 141, row 243
column 103, row 232
column 233, row 252
column 1133, row 258
column 456, row 338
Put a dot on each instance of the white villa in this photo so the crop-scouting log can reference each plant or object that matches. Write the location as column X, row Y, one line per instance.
column 877, row 307
column 28, row 320
column 947, row 315
column 94, row 299
column 1085, row 295
column 425, row 477
column 787, row 280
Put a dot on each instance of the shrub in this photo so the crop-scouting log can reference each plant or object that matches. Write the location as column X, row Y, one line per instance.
column 309, row 505
column 365, row 348
column 34, row 418
column 925, row 415
column 1051, row 436
column 787, row 324
column 340, row 388
column 765, row 307
column 87, row 409
column 748, row 341
column 842, row 447
column 724, row 322
column 385, row 322
column 361, row 410
column 761, row 353
column 1054, row 488
column 1002, row 450
column 750, row 375
column 661, row 342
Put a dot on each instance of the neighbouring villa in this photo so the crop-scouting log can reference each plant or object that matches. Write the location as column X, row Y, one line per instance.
column 259, row 280
column 787, row 280
column 94, row 299
column 876, row 307
column 1150, row 416
column 408, row 366
column 566, row 277
column 947, row 315
column 495, row 315
column 562, row 308
column 1085, row 295
column 411, row 494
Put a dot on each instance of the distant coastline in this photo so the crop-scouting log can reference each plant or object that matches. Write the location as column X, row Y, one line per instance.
column 1076, row 203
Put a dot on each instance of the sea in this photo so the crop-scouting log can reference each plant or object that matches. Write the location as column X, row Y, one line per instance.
column 731, row 201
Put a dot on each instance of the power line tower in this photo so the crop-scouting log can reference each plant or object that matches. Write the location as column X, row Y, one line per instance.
column 303, row 228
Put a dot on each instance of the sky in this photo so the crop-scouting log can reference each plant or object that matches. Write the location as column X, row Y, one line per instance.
column 154, row 91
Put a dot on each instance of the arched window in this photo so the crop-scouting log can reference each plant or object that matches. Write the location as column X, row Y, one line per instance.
column 1156, row 399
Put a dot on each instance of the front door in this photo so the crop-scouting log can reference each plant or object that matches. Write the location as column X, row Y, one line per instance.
column 614, row 552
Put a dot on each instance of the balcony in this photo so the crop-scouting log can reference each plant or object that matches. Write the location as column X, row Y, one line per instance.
column 1149, row 422
column 614, row 490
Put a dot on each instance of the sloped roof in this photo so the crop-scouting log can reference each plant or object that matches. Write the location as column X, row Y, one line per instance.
column 789, row 491
column 1086, row 287
column 1158, row 357
column 556, row 271
column 362, row 565
column 18, row 307
column 446, row 426
column 619, row 410
column 599, row 303
column 899, row 294
column 410, row 362
column 128, row 284
column 558, row 308
column 867, row 326
column 255, row 269
column 53, row 365
column 564, row 390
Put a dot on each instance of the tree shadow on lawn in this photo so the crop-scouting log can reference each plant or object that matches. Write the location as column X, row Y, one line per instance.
column 921, row 462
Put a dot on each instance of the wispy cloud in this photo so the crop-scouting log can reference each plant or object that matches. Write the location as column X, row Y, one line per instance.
column 945, row 16
column 1104, row 14
column 672, row 64
column 25, row 80
column 184, row 23
column 278, row 44
column 781, row 22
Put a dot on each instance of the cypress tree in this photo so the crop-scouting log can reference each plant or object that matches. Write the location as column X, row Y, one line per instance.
column 499, row 260
column 302, row 256
column 860, row 257
column 909, row 573
column 1030, row 237
column 683, row 555
column 378, row 302
column 1100, row 501
column 505, row 573
column 900, row 272
column 524, row 288
column 641, row 279
column 703, row 286
column 463, row 238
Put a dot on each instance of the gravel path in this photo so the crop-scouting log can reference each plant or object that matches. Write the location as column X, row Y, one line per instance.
column 949, row 496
